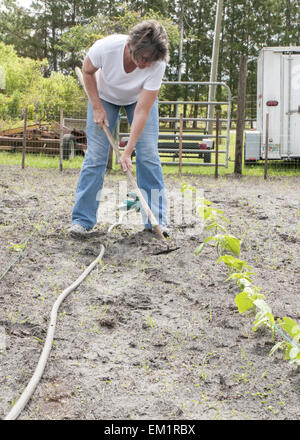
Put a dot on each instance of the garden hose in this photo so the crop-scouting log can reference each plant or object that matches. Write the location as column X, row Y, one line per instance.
column 132, row 203
column 29, row 390
column 119, row 222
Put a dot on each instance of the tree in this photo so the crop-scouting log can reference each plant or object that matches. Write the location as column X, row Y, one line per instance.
column 62, row 31
column 25, row 85
column 75, row 42
column 16, row 26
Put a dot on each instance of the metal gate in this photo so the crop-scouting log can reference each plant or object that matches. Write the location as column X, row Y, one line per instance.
column 195, row 144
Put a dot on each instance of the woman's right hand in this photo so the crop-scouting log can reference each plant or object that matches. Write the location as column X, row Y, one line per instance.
column 125, row 162
column 100, row 117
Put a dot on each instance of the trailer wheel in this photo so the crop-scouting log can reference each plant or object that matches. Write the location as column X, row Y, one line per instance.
column 207, row 157
column 69, row 144
column 249, row 162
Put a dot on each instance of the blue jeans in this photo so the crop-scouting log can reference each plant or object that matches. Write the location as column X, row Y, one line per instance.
column 148, row 167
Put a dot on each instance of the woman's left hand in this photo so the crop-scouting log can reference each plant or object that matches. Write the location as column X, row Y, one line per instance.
column 125, row 162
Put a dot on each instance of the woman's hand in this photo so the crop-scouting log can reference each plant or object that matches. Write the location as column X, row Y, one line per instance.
column 125, row 162
column 100, row 117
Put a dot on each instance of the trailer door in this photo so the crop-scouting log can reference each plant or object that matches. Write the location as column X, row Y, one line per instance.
column 291, row 107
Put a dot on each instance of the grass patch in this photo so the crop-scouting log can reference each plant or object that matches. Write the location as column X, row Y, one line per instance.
column 281, row 168
column 38, row 160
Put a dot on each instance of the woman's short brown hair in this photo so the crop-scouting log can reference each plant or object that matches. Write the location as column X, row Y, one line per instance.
column 149, row 37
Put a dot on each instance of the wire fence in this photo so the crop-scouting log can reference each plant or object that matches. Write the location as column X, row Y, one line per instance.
column 64, row 138
column 55, row 137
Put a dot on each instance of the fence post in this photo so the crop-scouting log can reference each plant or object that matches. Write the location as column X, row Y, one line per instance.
column 61, row 135
column 180, row 143
column 267, row 146
column 240, row 123
column 217, row 144
column 24, row 138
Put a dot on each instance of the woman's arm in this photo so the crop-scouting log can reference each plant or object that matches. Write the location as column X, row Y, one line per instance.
column 141, row 113
column 88, row 73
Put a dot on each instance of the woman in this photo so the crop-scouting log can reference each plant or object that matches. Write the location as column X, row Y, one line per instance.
column 123, row 70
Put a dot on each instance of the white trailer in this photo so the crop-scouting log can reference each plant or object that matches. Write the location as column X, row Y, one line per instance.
column 278, row 94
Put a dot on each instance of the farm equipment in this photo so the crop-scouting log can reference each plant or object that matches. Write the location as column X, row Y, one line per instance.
column 278, row 95
column 45, row 139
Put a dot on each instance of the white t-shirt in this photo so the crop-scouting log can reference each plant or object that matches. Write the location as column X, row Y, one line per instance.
column 114, row 84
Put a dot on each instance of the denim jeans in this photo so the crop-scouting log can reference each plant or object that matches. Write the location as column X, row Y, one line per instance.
column 148, row 167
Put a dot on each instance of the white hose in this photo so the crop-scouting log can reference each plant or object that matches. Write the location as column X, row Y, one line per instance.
column 120, row 220
column 29, row 390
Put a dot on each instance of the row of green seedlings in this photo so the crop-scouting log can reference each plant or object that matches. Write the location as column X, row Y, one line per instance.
column 249, row 299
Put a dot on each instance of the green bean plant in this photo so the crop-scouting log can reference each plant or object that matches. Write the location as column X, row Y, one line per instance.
column 249, row 299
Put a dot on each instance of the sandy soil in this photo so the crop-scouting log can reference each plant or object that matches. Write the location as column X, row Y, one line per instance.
column 153, row 332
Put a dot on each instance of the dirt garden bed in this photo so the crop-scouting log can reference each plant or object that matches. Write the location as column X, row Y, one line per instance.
column 149, row 334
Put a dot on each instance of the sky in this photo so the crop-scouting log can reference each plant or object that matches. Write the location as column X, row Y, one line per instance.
column 24, row 3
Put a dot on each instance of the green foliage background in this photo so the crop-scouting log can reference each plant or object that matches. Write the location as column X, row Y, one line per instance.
column 41, row 45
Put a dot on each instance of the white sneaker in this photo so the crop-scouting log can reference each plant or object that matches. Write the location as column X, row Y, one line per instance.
column 76, row 230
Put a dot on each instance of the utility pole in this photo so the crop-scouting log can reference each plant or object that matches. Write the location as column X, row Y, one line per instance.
column 180, row 58
column 240, row 123
column 214, row 65
column 181, row 44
